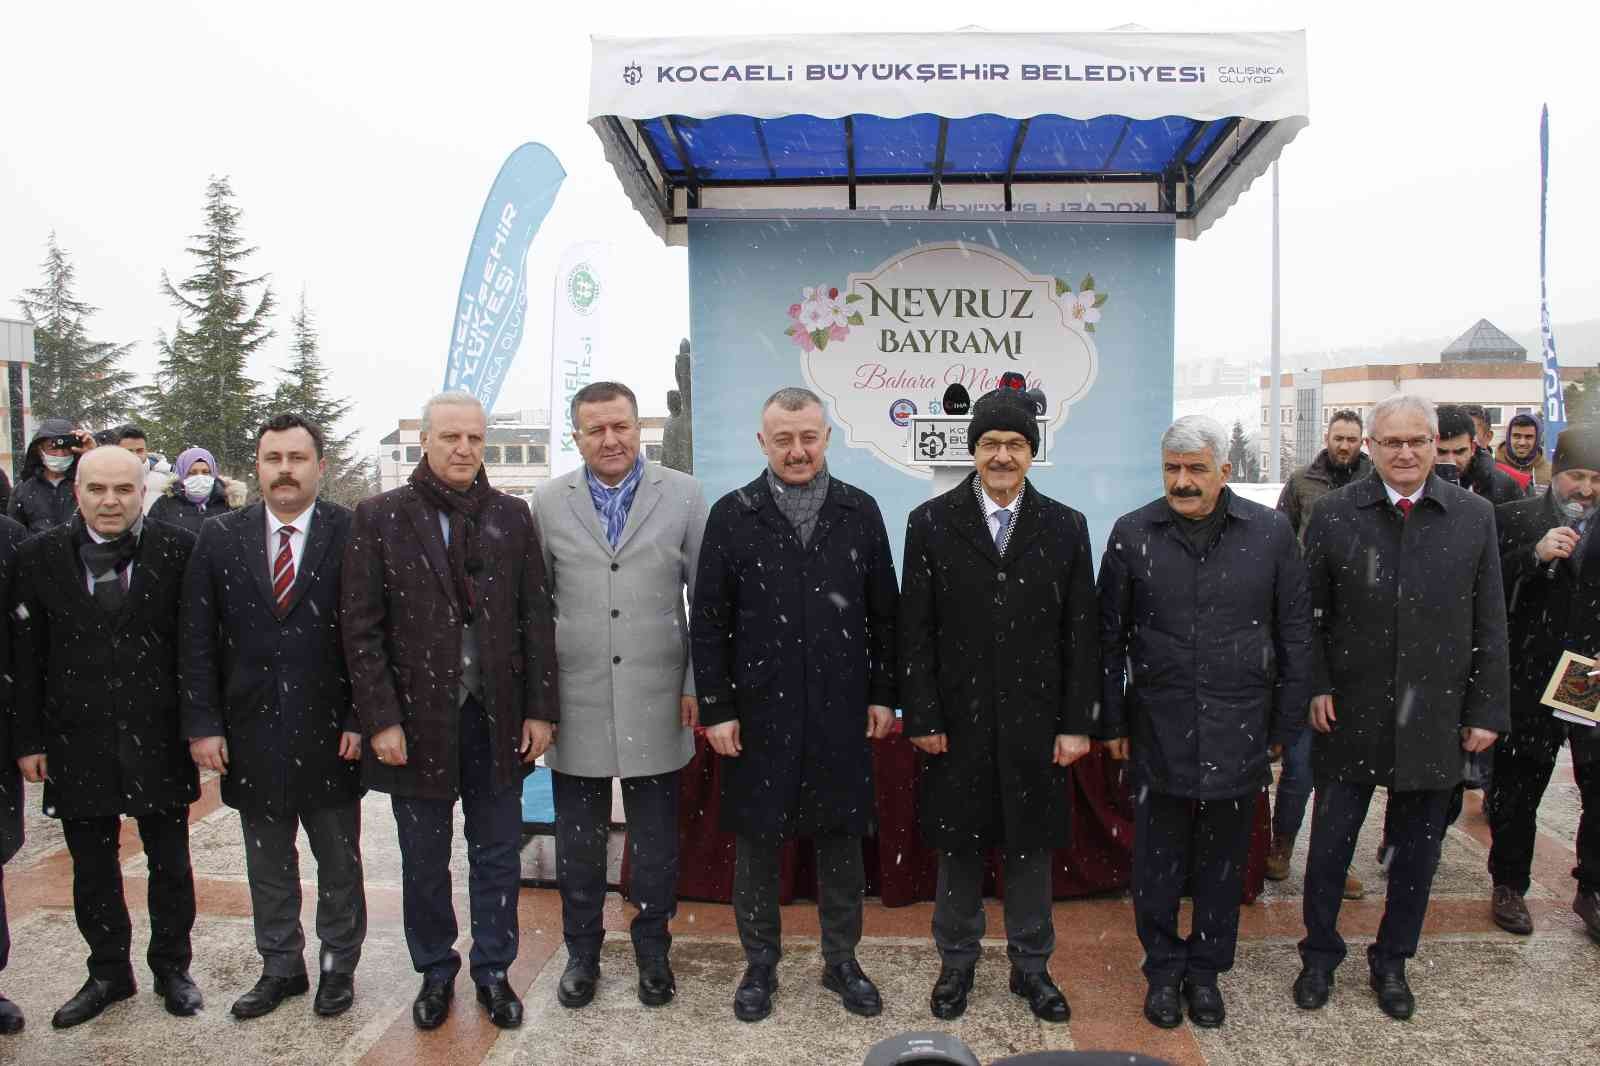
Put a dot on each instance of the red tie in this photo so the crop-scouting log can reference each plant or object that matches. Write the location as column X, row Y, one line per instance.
column 283, row 569
column 1405, row 507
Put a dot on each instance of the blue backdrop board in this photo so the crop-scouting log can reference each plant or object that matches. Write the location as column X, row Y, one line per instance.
column 880, row 315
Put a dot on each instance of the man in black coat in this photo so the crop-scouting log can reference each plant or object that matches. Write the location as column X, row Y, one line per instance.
column 1409, row 674
column 1475, row 466
column 1000, row 680
column 1551, row 569
column 794, row 651
column 1205, row 633
column 11, row 535
column 43, row 497
column 266, row 702
column 95, row 639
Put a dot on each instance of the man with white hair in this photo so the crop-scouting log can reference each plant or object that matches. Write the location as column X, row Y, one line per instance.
column 1409, row 672
column 1205, row 635
column 95, row 644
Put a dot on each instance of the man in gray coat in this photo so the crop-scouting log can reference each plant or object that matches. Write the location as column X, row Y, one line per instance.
column 621, row 545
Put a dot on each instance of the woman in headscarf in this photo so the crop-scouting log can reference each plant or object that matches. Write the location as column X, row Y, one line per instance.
column 197, row 493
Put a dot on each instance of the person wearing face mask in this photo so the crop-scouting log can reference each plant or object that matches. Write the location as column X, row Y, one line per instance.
column 1551, row 570
column 44, row 495
column 196, row 493
column 794, row 657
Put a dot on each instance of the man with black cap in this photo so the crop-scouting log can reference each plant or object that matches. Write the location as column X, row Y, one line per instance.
column 1001, row 654
column 1552, row 578
column 1521, row 454
column 43, row 497
column 1205, row 632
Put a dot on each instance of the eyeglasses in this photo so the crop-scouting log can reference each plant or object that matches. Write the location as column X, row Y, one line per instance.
column 1395, row 444
column 1014, row 447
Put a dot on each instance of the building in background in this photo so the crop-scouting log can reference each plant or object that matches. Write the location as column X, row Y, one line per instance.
column 516, row 454
column 16, row 419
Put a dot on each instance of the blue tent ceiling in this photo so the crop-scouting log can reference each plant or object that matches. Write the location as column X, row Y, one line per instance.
column 738, row 149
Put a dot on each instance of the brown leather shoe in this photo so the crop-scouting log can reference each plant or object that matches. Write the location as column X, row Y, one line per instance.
column 1510, row 912
column 1586, row 905
column 1353, row 888
column 1278, row 858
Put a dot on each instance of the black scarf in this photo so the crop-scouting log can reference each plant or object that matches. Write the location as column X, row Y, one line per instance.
column 1203, row 533
column 108, row 561
column 463, row 509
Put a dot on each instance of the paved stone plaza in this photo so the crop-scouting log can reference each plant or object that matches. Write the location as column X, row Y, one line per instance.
column 1483, row 996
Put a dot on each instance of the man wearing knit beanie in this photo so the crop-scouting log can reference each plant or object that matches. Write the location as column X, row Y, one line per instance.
column 1549, row 564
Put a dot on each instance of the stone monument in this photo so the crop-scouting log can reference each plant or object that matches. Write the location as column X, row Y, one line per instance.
column 677, row 439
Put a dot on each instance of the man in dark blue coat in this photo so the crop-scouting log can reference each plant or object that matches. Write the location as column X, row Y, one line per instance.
column 794, row 659
column 1409, row 677
column 266, row 703
column 1205, row 633
column 11, row 535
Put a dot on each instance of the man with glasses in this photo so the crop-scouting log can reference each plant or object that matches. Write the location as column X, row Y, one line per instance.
column 1552, row 576
column 1000, row 649
column 1409, row 672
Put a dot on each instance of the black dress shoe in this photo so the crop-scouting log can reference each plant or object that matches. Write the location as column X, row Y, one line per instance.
column 578, row 981
column 1394, row 995
column 432, row 1005
column 180, row 994
column 1162, row 1006
column 1311, row 989
column 855, row 989
column 656, row 985
column 95, row 996
column 267, row 994
column 949, row 999
column 1044, row 998
column 335, row 993
column 10, row 1017
column 752, row 1000
column 1205, row 1004
column 504, row 1008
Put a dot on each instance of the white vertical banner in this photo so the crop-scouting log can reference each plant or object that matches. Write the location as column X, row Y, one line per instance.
column 581, row 342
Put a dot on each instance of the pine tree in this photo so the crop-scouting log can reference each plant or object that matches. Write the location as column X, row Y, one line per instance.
column 204, row 395
column 1583, row 399
column 73, row 377
column 303, row 390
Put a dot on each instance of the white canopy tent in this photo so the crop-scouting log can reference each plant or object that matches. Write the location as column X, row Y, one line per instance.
column 1168, row 127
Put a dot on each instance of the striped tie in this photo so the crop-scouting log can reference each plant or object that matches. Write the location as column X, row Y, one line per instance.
column 283, row 569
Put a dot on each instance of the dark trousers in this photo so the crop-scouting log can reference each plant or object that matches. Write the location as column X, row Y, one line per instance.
column 1524, row 759
column 1416, row 824
column 97, row 899
column 1294, row 788
column 5, row 925
column 583, row 827
column 959, row 920
column 494, row 872
column 1204, row 843
column 841, row 886
column 272, row 862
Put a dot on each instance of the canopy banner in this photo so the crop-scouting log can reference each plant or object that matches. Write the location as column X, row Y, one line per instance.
column 1077, row 75
column 882, row 318
column 581, row 343
column 491, row 306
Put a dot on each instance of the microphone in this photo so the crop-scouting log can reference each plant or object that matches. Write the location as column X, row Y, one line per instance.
column 956, row 400
column 1572, row 512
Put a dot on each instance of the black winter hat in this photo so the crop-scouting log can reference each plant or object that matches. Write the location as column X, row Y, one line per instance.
column 1003, row 409
column 1577, row 448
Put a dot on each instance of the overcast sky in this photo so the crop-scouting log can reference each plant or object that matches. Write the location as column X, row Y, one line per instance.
column 361, row 141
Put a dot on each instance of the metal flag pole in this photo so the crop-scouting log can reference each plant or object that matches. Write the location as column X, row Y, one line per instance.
column 1274, row 413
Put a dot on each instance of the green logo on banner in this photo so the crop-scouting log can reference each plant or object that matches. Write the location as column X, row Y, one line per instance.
column 583, row 289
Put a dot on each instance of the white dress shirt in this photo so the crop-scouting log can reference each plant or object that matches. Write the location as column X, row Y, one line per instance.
column 297, row 540
column 990, row 509
column 1395, row 497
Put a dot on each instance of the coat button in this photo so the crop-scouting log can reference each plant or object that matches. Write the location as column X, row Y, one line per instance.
column 1001, row 576
column 614, row 566
column 615, row 612
column 615, row 659
column 115, row 682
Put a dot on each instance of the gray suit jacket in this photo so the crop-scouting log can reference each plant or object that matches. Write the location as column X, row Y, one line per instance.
column 622, row 638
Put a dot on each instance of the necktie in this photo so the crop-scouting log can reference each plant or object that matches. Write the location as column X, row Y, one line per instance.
column 1003, row 516
column 283, row 569
column 1405, row 507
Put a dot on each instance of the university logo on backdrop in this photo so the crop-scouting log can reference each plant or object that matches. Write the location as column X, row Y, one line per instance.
column 886, row 344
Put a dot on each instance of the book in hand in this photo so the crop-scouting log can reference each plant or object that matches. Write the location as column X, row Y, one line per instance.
column 1573, row 693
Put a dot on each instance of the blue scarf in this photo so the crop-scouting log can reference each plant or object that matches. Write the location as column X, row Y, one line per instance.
column 612, row 504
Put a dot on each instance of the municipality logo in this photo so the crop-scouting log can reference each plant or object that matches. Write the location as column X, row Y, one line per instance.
column 583, row 289
column 632, row 74
column 900, row 412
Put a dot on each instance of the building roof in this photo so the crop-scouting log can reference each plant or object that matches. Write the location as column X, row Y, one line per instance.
column 1484, row 342
column 1398, row 372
